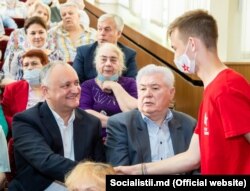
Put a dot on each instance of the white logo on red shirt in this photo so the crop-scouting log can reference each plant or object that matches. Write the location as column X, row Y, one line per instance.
column 205, row 128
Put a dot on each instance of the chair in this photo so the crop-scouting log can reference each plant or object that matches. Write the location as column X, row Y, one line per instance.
column 8, row 31
column 19, row 22
column 3, row 45
column 10, row 175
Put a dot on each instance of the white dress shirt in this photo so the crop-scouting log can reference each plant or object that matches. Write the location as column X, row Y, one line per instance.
column 66, row 131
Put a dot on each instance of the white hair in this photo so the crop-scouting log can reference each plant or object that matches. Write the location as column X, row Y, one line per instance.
column 117, row 19
column 112, row 48
column 152, row 69
column 46, row 71
column 68, row 4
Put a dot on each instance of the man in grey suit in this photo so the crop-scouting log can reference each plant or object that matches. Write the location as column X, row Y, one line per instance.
column 53, row 136
column 153, row 132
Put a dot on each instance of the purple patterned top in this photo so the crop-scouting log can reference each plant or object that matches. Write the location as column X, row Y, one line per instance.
column 92, row 96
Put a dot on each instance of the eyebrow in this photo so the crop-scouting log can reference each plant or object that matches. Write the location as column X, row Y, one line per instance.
column 109, row 56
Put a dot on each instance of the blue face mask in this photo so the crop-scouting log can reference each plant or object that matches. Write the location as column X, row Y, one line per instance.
column 32, row 76
column 47, row 2
column 102, row 78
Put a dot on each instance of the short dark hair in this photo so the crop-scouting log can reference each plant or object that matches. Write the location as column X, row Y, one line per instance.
column 34, row 20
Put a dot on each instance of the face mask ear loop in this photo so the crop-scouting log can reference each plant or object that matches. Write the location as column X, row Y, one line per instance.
column 186, row 47
column 195, row 56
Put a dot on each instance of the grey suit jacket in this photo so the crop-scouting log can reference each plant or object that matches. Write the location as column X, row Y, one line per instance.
column 128, row 140
column 38, row 147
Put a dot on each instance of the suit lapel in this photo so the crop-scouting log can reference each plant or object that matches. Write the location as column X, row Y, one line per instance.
column 91, row 56
column 78, row 129
column 50, row 124
column 142, row 139
column 177, row 138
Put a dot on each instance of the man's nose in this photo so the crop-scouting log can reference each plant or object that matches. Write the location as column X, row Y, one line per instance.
column 148, row 92
column 75, row 88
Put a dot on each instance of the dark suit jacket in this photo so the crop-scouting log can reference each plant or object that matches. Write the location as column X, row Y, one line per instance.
column 15, row 99
column 128, row 140
column 38, row 146
column 85, row 66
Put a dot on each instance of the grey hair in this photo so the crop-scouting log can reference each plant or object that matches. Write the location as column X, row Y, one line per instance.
column 68, row 4
column 45, row 73
column 117, row 19
column 112, row 48
column 153, row 69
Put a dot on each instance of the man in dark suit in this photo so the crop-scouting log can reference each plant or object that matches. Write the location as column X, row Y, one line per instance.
column 153, row 132
column 109, row 29
column 52, row 137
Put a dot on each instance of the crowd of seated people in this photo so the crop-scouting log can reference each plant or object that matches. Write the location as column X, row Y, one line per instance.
column 36, row 37
column 13, row 8
column 18, row 38
column 57, row 114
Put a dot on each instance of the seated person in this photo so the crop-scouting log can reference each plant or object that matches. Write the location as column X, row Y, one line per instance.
column 53, row 136
column 8, row 22
column 21, row 95
column 84, row 18
column 54, row 8
column 17, row 38
column 109, row 29
column 70, row 34
column 153, row 132
column 3, row 122
column 88, row 176
column 13, row 8
column 2, row 32
column 3, row 21
column 36, row 37
column 29, row 3
column 4, row 159
column 109, row 93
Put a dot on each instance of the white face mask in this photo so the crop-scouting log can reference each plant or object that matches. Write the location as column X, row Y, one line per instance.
column 32, row 76
column 184, row 64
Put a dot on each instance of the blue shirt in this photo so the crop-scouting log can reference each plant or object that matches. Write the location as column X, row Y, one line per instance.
column 159, row 137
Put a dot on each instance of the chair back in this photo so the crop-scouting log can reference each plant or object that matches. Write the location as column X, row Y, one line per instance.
column 10, row 175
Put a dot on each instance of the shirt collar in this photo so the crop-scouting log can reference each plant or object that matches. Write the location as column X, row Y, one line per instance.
column 59, row 119
column 168, row 117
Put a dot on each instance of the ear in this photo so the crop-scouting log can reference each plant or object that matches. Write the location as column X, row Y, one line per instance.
column 172, row 93
column 193, row 44
column 44, row 91
column 119, row 34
